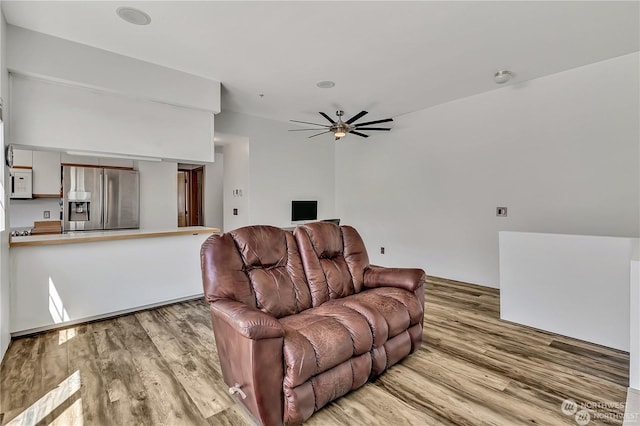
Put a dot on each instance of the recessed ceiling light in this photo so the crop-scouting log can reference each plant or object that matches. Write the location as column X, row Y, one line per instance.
column 325, row 84
column 133, row 16
column 502, row 76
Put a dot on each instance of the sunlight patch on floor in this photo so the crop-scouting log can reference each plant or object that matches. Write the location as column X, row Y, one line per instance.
column 52, row 400
column 72, row 416
column 66, row 335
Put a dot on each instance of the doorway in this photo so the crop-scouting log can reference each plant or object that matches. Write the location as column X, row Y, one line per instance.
column 190, row 189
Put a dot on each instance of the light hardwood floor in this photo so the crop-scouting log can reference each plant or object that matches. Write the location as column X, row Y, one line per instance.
column 160, row 367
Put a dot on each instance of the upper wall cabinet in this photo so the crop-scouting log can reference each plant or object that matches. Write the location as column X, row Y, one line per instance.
column 96, row 161
column 46, row 171
column 46, row 174
column 22, row 158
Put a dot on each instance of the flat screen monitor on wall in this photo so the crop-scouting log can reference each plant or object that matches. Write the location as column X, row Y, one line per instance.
column 304, row 210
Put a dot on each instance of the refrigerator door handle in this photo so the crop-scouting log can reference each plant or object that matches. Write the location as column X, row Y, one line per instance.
column 103, row 220
column 105, row 208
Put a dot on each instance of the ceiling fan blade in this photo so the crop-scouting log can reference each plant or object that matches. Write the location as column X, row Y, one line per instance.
column 306, row 122
column 359, row 134
column 356, row 117
column 328, row 118
column 373, row 128
column 385, row 120
column 302, row 130
column 318, row 134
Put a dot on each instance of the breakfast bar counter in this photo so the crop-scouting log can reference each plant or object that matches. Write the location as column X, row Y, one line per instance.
column 91, row 236
column 65, row 279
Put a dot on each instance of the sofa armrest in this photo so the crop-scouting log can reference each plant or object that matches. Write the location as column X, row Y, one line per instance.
column 407, row 278
column 249, row 344
column 249, row 322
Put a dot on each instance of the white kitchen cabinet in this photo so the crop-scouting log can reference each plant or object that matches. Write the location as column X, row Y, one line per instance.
column 116, row 162
column 96, row 161
column 83, row 160
column 22, row 158
column 46, row 174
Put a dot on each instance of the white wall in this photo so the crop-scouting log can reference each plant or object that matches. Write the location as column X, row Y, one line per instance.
column 69, row 96
column 213, row 192
column 561, row 152
column 236, row 176
column 24, row 212
column 41, row 55
column 53, row 116
column 283, row 166
column 158, row 195
column 5, row 295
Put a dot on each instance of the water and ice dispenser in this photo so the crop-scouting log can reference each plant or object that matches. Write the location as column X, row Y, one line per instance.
column 79, row 211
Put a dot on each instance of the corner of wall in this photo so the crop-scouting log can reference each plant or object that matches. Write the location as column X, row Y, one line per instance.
column 5, row 336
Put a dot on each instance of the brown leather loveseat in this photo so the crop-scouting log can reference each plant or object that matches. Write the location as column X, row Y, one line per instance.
column 301, row 318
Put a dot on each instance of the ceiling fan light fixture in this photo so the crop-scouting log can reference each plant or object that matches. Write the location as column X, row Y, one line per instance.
column 339, row 128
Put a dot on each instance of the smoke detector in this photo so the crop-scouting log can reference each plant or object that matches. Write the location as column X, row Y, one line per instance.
column 133, row 16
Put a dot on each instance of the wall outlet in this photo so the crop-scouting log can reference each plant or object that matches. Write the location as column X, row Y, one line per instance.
column 46, row 214
column 381, row 250
column 501, row 211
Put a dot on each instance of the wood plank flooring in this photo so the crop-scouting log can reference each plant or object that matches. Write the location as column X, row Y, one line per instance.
column 160, row 367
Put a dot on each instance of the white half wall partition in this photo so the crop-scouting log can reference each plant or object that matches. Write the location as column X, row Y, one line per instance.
column 574, row 285
column 63, row 284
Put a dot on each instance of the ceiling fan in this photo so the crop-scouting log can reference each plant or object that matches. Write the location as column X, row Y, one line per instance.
column 341, row 128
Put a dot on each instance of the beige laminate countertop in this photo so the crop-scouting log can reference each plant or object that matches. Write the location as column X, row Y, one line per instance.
column 91, row 236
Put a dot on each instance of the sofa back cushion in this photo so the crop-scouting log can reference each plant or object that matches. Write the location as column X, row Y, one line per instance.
column 256, row 265
column 334, row 259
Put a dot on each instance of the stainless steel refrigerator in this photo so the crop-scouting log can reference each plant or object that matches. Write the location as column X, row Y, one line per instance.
column 95, row 198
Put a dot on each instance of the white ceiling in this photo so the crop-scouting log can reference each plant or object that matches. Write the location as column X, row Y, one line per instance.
column 389, row 57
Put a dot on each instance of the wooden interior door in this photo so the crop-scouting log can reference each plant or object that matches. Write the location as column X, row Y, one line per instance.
column 195, row 185
column 190, row 197
column 183, row 198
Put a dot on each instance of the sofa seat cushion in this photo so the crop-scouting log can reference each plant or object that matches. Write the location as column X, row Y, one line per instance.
column 388, row 310
column 319, row 339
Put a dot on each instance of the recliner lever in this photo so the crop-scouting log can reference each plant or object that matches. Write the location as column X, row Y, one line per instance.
column 236, row 390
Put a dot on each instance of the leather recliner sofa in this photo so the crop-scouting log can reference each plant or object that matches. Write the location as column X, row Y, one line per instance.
column 301, row 318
